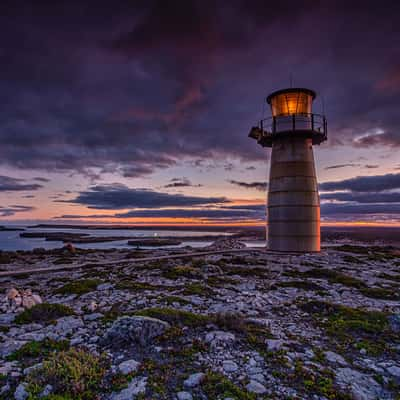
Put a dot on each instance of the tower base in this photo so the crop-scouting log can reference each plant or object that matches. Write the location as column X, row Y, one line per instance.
column 293, row 199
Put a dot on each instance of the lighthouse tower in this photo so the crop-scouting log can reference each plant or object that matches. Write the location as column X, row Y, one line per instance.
column 293, row 199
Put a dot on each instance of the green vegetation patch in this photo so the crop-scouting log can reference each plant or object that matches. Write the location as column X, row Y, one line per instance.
column 380, row 293
column 197, row 289
column 342, row 319
column 79, row 287
column 182, row 272
column 220, row 281
column 75, row 374
column 135, row 286
column 44, row 312
column 353, row 327
column 320, row 383
column 175, row 299
column 254, row 335
column 374, row 253
column 333, row 276
column 176, row 317
column 217, row 386
column 35, row 349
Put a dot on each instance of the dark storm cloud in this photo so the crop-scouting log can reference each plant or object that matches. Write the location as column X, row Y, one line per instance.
column 337, row 166
column 14, row 209
column 363, row 197
column 180, row 183
column 9, row 184
column 371, row 166
column 390, row 139
column 202, row 214
column 137, row 87
column 374, row 183
column 41, row 179
column 332, row 209
column 250, row 185
column 116, row 196
column 223, row 213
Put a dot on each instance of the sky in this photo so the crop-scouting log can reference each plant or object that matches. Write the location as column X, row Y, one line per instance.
column 138, row 112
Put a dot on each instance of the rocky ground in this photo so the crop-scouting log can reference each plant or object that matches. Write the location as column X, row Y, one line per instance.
column 246, row 326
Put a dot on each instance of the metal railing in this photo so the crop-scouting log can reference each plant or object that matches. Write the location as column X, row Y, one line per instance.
column 295, row 122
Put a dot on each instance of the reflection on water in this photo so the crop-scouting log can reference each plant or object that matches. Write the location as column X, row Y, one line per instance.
column 12, row 241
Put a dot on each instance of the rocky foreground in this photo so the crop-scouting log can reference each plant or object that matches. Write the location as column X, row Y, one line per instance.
column 245, row 326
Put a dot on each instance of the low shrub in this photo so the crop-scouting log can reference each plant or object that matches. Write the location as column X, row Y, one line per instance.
column 35, row 349
column 44, row 312
column 79, row 287
column 75, row 374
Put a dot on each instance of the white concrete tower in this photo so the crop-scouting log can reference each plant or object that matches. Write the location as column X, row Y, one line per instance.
column 293, row 199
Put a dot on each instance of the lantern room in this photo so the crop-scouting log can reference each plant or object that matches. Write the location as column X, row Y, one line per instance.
column 291, row 101
column 292, row 117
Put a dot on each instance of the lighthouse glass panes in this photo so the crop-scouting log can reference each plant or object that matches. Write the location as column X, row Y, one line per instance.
column 291, row 103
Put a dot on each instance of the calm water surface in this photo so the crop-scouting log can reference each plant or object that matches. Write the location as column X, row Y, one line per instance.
column 12, row 241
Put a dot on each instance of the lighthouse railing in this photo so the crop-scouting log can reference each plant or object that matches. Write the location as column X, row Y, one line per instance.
column 294, row 122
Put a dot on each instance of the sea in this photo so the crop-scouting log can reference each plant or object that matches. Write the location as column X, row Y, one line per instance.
column 11, row 240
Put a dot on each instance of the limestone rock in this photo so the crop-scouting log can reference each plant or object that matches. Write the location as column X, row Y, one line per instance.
column 394, row 371
column 256, row 387
column 128, row 366
column 274, row 344
column 230, row 366
column 335, row 358
column 194, row 380
column 362, row 387
column 92, row 307
column 135, row 387
column 20, row 392
column 184, row 396
column 135, row 328
column 16, row 299
column 67, row 325
column 105, row 286
column 220, row 338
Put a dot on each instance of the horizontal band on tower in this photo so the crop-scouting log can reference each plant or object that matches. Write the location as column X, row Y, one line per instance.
column 272, row 178
column 293, row 205
column 293, row 236
column 293, row 220
column 292, row 191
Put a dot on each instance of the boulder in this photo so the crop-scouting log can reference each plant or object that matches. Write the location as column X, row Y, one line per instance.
column 230, row 366
column 16, row 299
column 335, row 358
column 184, row 396
column 256, row 387
column 220, row 338
column 128, row 366
column 136, row 386
column 20, row 392
column 134, row 329
column 67, row 325
column 274, row 344
column 93, row 306
column 361, row 386
column 194, row 380
column 105, row 286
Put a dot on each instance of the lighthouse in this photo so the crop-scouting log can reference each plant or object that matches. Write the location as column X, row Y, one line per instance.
column 293, row 208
